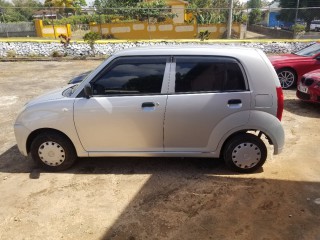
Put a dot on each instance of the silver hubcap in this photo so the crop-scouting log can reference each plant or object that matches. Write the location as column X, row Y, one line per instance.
column 51, row 153
column 246, row 155
column 286, row 79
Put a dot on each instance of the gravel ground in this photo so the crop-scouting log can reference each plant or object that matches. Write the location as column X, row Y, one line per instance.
column 155, row 198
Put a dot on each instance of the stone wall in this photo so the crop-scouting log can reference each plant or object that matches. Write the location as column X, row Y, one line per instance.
column 32, row 49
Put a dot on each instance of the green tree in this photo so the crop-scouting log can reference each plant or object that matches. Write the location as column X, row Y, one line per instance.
column 255, row 15
column 289, row 11
column 26, row 8
column 18, row 10
column 208, row 11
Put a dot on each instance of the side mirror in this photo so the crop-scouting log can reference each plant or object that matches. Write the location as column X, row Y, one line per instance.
column 318, row 58
column 87, row 90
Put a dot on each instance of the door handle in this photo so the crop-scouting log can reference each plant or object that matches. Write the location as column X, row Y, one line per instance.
column 148, row 104
column 234, row 101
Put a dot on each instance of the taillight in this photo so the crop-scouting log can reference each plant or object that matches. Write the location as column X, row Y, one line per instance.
column 280, row 103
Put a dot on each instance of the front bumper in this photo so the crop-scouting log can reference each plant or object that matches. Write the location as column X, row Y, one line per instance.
column 21, row 133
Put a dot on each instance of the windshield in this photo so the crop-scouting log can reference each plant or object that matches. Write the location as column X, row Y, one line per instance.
column 309, row 51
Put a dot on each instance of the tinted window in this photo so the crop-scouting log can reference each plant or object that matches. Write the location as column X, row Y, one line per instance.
column 208, row 74
column 131, row 75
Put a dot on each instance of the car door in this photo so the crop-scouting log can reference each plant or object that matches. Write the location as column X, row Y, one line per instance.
column 205, row 92
column 126, row 111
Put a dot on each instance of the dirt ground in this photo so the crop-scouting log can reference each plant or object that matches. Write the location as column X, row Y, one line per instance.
column 155, row 198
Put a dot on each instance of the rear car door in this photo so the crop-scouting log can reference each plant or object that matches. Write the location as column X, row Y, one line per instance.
column 126, row 111
column 203, row 91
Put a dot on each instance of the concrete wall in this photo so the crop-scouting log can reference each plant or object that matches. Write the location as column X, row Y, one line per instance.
column 143, row 30
column 51, row 31
column 272, row 33
column 22, row 29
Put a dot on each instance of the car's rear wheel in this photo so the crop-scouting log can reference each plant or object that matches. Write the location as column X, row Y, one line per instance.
column 287, row 77
column 245, row 153
column 53, row 152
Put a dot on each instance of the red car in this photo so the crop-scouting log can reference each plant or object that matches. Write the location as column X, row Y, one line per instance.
column 308, row 88
column 291, row 67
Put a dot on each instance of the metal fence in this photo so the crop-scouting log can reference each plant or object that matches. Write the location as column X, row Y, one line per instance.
column 20, row 29
column 293, row 19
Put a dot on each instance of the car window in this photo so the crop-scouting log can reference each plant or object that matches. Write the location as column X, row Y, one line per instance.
column 131, row 75
column 309, row 51
column 208, row 74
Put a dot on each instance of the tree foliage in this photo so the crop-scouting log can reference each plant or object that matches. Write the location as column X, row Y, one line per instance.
column 18, row 10
column 255, row 15
column 214, row 11
column 135, row 9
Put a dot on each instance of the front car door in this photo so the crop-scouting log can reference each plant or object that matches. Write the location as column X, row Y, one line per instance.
column 126, row 111
column 205, row 92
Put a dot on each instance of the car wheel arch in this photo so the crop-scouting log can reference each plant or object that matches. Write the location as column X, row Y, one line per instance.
column 37, row 132
column 225, row 142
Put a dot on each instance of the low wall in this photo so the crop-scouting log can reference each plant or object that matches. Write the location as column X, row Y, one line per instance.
column 144, row 30
column 272, row 33
column 22, row 29
column 51, row 31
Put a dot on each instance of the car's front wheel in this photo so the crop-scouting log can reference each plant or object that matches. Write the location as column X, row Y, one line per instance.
column 53, row 152
column 287, row 77
column 245, row 153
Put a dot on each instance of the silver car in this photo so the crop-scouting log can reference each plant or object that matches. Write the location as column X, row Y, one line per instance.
column 206, row 102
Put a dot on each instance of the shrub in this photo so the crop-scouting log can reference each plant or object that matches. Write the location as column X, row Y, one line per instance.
column 298, row 28
column 204, row 35
column 91, row 38
column 11, row 53
column 56, row 54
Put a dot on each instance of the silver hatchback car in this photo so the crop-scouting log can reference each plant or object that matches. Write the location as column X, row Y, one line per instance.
column 206, row 102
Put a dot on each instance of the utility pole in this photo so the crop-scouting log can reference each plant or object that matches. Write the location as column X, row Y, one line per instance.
column 297, row 9
column 229, row 26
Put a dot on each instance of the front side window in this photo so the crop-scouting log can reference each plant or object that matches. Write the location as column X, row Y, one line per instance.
column 131, row 75
column 208, row 74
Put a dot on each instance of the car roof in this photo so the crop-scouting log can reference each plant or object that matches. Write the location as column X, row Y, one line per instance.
column 187, row 50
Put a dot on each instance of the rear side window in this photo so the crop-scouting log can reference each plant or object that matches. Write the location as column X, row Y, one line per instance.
column 208, row 74
column 131, row 75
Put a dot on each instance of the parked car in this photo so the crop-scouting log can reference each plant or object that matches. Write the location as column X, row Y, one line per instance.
column 79, row 78
column 291, row 67
column 168, row 102
column 315, row 25
column 309, row 87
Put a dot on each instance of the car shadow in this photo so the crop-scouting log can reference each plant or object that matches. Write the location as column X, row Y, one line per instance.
column 187, row 198
column 217, row 207
column 11, row 161
column 301, row 108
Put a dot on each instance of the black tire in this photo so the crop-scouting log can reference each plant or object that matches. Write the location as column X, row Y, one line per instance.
column 245, row 153
column 53, row 152
column 287, row 77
